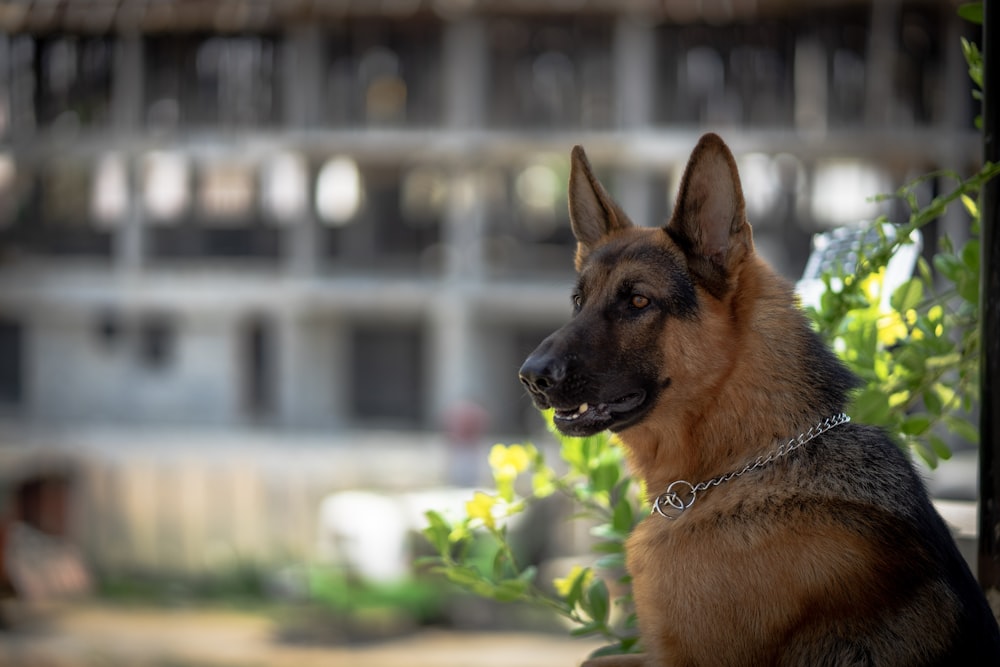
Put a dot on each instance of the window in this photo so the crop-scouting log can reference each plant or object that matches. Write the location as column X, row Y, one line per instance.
column 388, row 374
column 551, row 74
column 8, row 191
column 74, row 81
column 157, row 340
column 206, row 209
column 380, row 217
column 11, row 362
column 528, row 230
column 165, row 186
column 17, row 85
column 210, row 80
column 109, row 198
column 227, row 193
column 284, row 195
column 339, row 191
column 51, row 211
column 734, row 74
column 383, row 73
column 257, row 364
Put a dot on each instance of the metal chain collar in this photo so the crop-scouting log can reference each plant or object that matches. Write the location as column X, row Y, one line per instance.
column 681, row 494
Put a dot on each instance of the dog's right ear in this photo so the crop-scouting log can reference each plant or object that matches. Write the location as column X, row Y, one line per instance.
column 593, row 214
column 709, row 222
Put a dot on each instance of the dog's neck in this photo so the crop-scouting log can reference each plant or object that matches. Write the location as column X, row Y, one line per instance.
column 697, row 439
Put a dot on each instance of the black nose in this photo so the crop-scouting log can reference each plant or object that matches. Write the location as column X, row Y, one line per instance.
column 541, row 372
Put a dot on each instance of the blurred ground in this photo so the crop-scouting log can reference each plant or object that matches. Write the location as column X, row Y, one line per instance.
column 113, row 636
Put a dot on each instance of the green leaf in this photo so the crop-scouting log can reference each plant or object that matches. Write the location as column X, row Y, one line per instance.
column 949, row 266
column 970, row 257
column 915, row 424
column 610, row 649
column 871, row 405
column 612, row 562
column 939, row 447
column 972, row 12
column 623, row 517
column 528, row 574
column 942, row 361
column 932, row 401
column 908, row 295
column 587, row 629
column 605, row 476
column 962, row 428
column 437, row 531
column 462, row 575
column 971, row 206
column 609, row 547
column 968, row 288
column 926, row 454
column 606, row 531
column 597, row 601
column 500, row 562
column 510, row 590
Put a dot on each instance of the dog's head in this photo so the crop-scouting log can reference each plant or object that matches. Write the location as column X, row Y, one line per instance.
column 643, row 299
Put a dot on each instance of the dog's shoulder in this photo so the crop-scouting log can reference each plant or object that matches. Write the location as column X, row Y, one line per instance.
column 867, row 481
column 861, row 462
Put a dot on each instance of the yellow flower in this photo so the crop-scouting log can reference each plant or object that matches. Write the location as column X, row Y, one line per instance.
column 543, row 483
column 872, row 285
column 481, row 507
column 508, row 462
column 891, row 328
column 565, row 584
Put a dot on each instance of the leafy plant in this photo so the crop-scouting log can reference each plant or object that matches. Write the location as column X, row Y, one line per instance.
column 420, row 599
column 595, row 598
column 918, row 352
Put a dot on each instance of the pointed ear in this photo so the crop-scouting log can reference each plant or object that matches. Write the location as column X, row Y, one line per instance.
column 709, row 221
column 593, row 214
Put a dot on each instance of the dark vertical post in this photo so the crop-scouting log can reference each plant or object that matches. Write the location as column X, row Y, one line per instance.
column 989, row 446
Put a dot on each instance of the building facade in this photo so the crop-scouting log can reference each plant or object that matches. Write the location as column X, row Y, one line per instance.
column 307, row 220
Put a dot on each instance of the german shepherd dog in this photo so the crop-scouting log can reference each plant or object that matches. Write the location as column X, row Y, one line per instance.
column 781, row 535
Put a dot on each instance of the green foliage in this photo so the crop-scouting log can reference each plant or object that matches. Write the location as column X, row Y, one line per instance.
column 595, row 598
column 917, row 352
column 420, row 599
column 973, row 12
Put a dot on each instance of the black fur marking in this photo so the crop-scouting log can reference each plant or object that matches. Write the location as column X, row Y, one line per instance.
column 675, row 292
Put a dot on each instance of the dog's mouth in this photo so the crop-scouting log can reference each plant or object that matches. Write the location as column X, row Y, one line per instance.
column 590, row 418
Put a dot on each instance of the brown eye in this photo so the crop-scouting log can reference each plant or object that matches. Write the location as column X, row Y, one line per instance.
column 639, row 301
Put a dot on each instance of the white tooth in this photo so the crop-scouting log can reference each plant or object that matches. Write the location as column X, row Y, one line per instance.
column 583, row 408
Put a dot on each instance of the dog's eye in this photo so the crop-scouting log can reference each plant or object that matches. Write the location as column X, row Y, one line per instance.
column 638, row 301
column 577, row 301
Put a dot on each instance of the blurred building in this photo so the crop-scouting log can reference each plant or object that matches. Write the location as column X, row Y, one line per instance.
column 261, row 239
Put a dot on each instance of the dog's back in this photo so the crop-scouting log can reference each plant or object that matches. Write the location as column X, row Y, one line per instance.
column 920, row 604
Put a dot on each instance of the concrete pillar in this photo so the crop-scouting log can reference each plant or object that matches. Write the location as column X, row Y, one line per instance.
column 301, row 67
column 634, row 61
column 880, row 102
column 451, row 345
column 466, row 75
column 301, row 77
column 126, row 117
column 812, row 85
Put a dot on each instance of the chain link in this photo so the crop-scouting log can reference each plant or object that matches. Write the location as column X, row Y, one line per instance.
column 681, row 494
